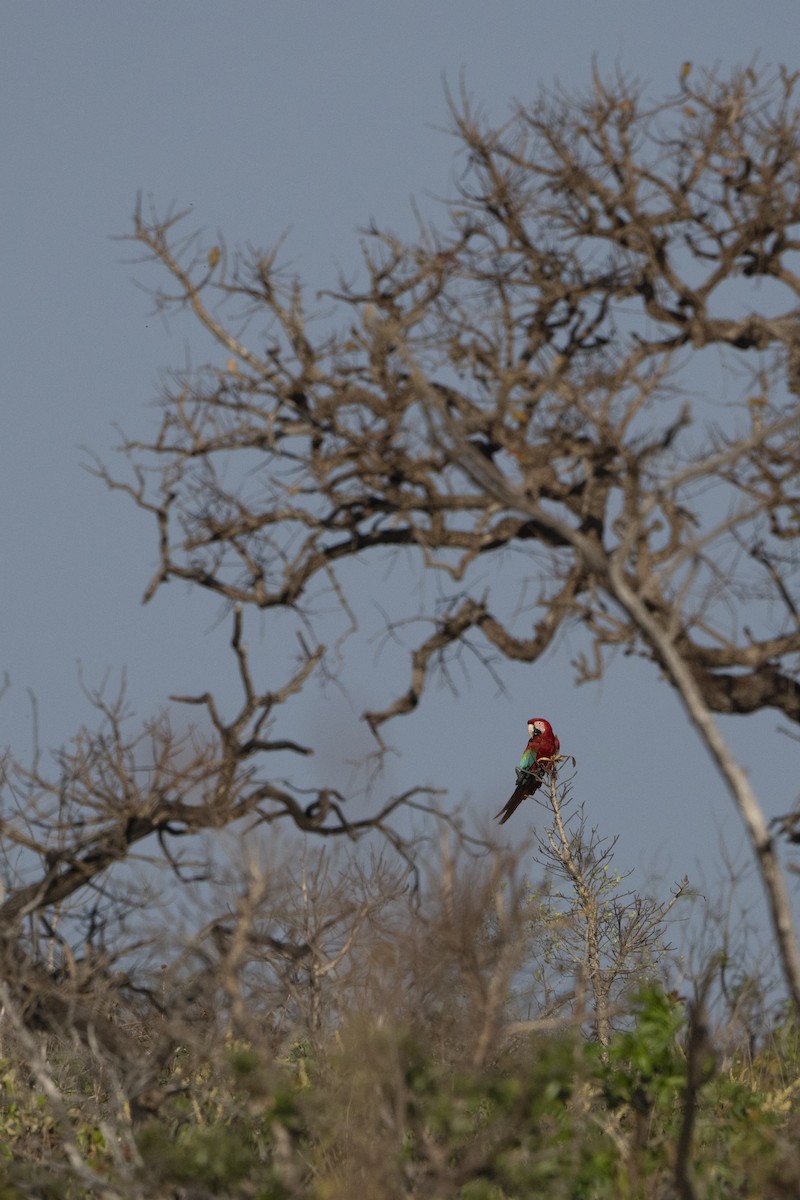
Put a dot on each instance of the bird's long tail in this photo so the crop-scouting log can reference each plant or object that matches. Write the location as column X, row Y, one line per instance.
column 511, row 806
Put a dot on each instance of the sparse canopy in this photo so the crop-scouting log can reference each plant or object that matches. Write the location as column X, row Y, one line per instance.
column 594, row 363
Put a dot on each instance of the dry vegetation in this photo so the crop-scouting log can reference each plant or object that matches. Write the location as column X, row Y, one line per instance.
column 518, row 401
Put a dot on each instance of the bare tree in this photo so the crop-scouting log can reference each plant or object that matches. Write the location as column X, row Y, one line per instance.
column 587, row 378
column 610, row 938
column 107, row 840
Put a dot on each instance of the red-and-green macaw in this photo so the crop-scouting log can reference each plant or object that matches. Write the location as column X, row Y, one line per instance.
column 540, row 754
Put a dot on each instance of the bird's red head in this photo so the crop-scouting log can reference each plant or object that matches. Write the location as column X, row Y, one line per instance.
column 540, row 725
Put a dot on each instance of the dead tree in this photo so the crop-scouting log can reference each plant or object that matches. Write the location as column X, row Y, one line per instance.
column 587, row 376
column 612, row 938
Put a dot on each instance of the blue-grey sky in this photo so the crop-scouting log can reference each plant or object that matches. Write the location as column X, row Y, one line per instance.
column 313, row 118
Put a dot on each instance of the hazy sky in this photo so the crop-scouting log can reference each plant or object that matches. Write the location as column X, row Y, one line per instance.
column 313, row 118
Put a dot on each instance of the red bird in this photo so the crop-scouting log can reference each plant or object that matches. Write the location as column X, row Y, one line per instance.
column 540, row 753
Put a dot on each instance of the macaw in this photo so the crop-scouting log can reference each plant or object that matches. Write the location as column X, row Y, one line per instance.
column 540, row 754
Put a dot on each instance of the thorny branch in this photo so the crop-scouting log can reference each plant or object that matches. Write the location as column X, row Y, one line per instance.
column 619, row 933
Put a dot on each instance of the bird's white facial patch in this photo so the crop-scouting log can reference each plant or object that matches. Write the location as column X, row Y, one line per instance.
column 535, row 727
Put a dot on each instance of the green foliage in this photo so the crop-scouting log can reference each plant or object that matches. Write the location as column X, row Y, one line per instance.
column 558, row 1116
column 382, row 1113
column 645, row 1067
column 221, row 1156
